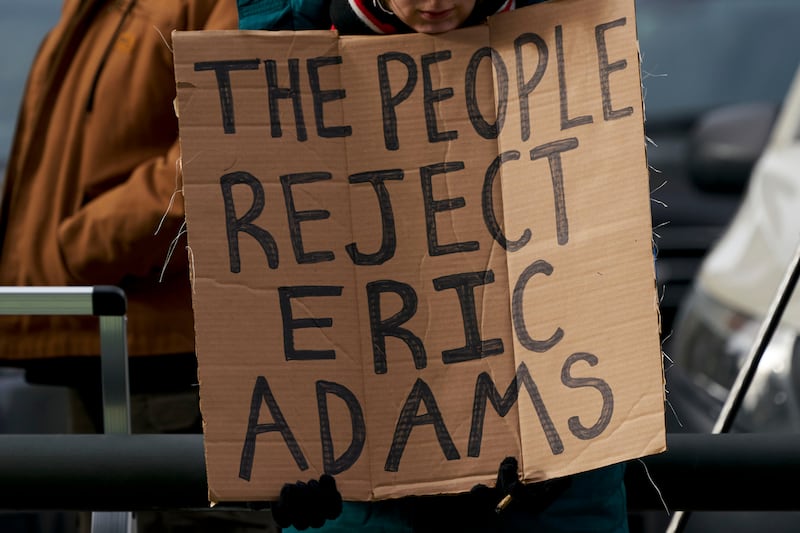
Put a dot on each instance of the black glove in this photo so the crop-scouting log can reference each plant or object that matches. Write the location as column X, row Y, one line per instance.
column 510, row 492
column 304, row 505
column 480, row 509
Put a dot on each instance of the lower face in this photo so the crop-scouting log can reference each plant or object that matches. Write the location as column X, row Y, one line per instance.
column 432, row 16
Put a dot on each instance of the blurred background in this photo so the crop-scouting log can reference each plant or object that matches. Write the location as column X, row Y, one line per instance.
column 715, row 74
column 22, row 26
column 697, row 56
column 25, row 408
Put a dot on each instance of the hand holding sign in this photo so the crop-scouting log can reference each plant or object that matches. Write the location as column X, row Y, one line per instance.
column 509, row 490
column 304, row 505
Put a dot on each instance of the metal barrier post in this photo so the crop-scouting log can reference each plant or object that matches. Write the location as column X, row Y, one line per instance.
column 110, row 305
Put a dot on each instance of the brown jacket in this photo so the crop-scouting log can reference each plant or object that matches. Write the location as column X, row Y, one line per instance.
column 92, row 171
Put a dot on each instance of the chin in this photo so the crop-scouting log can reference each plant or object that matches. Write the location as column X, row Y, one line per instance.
column 435, row 28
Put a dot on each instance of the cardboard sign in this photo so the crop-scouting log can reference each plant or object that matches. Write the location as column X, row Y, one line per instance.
column 416, row 255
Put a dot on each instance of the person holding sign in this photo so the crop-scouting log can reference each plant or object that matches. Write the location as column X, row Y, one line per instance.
column 589, row 501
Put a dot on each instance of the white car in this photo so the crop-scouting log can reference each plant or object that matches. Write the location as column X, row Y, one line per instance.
column 741, row 274
column 733, row 292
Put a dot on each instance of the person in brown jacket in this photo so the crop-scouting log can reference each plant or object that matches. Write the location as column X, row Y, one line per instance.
column 92, row 197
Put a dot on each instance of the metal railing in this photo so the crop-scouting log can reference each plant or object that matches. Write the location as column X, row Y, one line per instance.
column 117, row 473
column 155, row 471
column 110, row 305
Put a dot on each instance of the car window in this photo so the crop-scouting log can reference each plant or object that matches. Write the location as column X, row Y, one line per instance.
column 23, row 24
column 700, row 54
